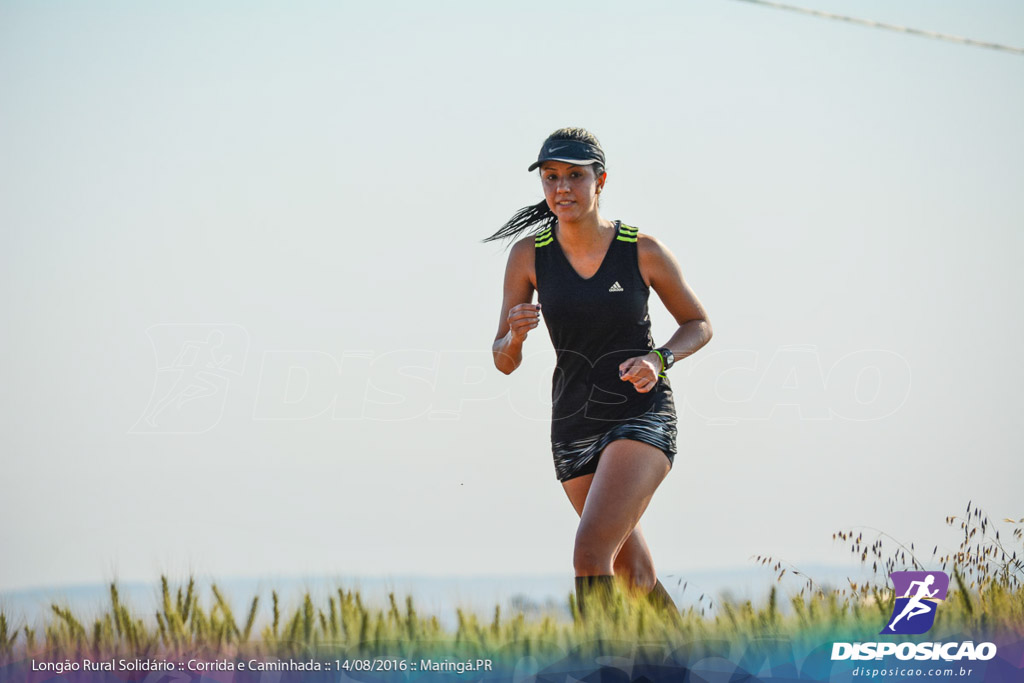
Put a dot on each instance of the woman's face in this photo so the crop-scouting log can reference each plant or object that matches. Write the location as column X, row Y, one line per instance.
column 571, row 191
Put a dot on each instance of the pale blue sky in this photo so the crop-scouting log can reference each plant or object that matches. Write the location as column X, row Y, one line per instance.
column 313, row 180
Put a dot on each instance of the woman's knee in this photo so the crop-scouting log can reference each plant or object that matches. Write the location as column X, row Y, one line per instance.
column 593, row 553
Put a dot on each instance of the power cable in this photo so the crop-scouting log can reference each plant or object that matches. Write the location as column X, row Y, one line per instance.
column 891, row 27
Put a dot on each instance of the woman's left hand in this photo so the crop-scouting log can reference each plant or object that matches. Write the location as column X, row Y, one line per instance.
column 641, row 371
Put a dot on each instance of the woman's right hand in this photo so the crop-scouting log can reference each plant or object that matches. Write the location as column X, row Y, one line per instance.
column 521, row 319
column 516, row 318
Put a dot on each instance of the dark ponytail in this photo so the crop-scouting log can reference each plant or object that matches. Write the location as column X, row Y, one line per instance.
column 538, row 216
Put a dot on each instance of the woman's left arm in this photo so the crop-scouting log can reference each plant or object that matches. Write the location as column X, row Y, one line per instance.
column 661, row 271
column 660, row 268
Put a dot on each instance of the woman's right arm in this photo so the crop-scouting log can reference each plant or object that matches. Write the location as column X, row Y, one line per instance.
column 518, row 314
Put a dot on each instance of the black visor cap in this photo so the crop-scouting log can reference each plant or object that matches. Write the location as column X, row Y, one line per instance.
column 570, row 151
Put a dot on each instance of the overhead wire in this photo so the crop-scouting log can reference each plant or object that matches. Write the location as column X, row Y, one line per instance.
column 890, row 27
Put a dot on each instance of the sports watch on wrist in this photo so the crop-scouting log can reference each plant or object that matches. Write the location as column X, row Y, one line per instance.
column 667, row 358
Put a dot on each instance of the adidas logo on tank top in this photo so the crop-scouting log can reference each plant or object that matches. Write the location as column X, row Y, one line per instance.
column 616, row 287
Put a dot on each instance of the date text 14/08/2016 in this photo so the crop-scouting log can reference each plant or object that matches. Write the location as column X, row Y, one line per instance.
column 459, row 667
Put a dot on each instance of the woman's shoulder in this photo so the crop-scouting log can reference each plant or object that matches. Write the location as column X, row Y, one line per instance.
column 653, row 257
column 646, row 243
column 523, row 247
column 521, row 255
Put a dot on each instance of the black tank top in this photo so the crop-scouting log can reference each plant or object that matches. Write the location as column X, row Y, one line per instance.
column 595, row 324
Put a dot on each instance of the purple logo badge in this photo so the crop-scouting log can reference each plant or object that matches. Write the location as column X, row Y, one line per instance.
column 917, row 596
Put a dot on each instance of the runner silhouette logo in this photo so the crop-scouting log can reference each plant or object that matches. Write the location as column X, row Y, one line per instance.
column 917, row 596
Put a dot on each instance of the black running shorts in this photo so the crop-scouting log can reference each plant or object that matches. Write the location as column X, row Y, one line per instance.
column 579, row 457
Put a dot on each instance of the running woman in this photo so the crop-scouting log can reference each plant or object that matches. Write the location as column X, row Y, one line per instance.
column 613, row 419
column 916, row 604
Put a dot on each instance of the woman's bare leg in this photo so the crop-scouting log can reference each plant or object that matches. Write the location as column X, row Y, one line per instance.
column 610, row 503
column 634, row 563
